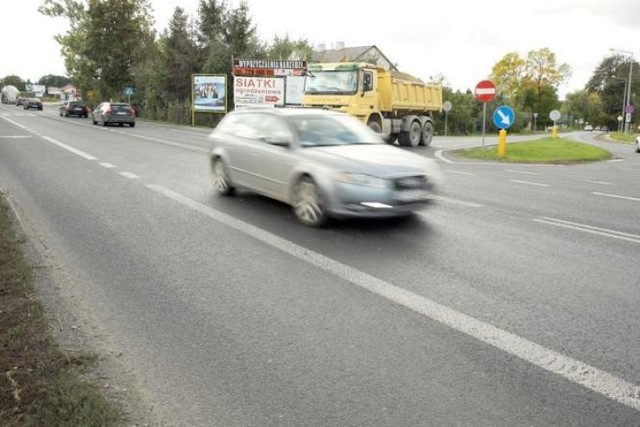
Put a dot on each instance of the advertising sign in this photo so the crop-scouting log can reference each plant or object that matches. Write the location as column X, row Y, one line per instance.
column 258, row 91
column 38, row 90
column 209, row 93
column 268, row 68
column 294, row 90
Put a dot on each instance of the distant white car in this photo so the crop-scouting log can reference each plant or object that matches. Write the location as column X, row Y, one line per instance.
column 588, row 128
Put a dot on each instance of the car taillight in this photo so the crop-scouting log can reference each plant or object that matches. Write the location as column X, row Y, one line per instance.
column 133, row 112
column 108, row 110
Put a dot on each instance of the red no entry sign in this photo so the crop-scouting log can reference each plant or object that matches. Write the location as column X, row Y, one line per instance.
column 485, row 91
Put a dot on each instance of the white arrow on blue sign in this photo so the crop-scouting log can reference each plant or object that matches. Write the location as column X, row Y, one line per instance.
column 503, row 117
column 128, row 90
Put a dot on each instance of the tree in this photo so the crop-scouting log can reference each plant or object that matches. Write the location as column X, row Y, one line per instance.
column 285, row 48
column 531, row 83
column 13, row 80
column 610, row 81
column 103, row 42
column 178, row 57
column 55, row 81
column 584, row 106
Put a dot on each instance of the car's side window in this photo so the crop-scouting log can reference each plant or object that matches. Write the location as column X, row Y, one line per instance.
column 271, row 128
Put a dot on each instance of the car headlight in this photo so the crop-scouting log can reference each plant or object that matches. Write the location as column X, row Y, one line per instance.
column 362, row 179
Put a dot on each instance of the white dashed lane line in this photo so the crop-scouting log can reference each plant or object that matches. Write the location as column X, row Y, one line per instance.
column 602, row 183
column 129, row 175
column 107, row 165
column 616, row 196
column 521, row 172
column 535, row 184
column 460, row 172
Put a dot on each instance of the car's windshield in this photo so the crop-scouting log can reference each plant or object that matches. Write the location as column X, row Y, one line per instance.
column 332, row 82
column 317, row 130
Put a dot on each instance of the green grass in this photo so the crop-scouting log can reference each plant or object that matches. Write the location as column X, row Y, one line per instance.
column 627, row 138
column 39, row 384
column 545, row 150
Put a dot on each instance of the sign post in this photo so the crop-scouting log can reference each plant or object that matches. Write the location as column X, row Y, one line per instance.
column 555, row 116
column 446, row 107
column 503, row 118
column 485, row 91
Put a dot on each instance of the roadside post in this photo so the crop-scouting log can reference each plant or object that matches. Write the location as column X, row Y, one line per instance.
column 555, row 116
column 446, row 107
column 128, row 90
column 503, row 118
column 485, row 91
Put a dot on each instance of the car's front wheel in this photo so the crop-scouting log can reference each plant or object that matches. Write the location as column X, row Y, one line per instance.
column 308, row 205
column 220, row 177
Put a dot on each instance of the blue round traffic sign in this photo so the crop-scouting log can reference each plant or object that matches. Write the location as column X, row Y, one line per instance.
column 503, row 117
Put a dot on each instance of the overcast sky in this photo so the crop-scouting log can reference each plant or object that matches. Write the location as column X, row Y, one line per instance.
column 460, row 39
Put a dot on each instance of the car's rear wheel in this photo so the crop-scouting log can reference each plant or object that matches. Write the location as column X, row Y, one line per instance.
column 220, row 177
column 308, row 205
column 132, row 125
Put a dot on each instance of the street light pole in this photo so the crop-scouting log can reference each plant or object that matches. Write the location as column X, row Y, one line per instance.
column 626, row 125
column 628, row 97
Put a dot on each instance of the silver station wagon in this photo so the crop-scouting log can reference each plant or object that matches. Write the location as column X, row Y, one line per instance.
column 324, row 164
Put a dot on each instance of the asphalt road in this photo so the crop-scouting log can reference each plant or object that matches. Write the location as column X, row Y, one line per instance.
column 511, row 301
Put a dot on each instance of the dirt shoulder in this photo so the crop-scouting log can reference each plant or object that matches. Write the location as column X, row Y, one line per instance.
column 55, row 370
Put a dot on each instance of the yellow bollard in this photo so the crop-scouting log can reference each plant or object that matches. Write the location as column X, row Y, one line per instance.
column 554, row 132
column 502, row 143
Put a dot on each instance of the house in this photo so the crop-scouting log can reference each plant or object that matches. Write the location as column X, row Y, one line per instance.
column 339, row 53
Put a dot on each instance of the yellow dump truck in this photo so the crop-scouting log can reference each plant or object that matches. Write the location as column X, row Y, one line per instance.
column 395, row 104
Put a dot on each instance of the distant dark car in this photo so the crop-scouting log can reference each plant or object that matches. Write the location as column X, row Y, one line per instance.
column 19, row 101
column 114, row 112
column 74, row 108
column 32, row 103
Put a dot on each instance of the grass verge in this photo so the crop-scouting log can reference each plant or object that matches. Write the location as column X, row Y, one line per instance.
column 627, row 138
column 545, row 150
column 39, row 384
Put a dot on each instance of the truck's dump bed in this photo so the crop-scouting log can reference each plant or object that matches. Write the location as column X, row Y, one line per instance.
column 401, row 92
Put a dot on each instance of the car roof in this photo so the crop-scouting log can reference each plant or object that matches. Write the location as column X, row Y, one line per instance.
column 288, row 112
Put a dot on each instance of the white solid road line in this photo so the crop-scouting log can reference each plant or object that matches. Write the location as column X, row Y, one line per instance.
column 537, row 184
column 53, row 141
column 107, row 165
column 634, row 238
column 573, row 370
column 616, row 196
column 438, row 155
column 15, row 136
column 174, row 144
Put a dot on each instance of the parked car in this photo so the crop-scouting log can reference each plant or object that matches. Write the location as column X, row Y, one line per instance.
column 19, row 101
column 74, row 108
column 114, row 112
column 588, row 128
column 324, row 164
column 32, row 103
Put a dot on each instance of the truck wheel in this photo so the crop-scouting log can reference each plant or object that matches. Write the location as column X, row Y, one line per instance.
column 412, row 137
column 391, row 138
column 375, row 126
column 427, row 134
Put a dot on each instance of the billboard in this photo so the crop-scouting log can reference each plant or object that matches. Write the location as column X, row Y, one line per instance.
column 268, row 68
column 209, row 93
column 38, row 90
column 258, row 91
